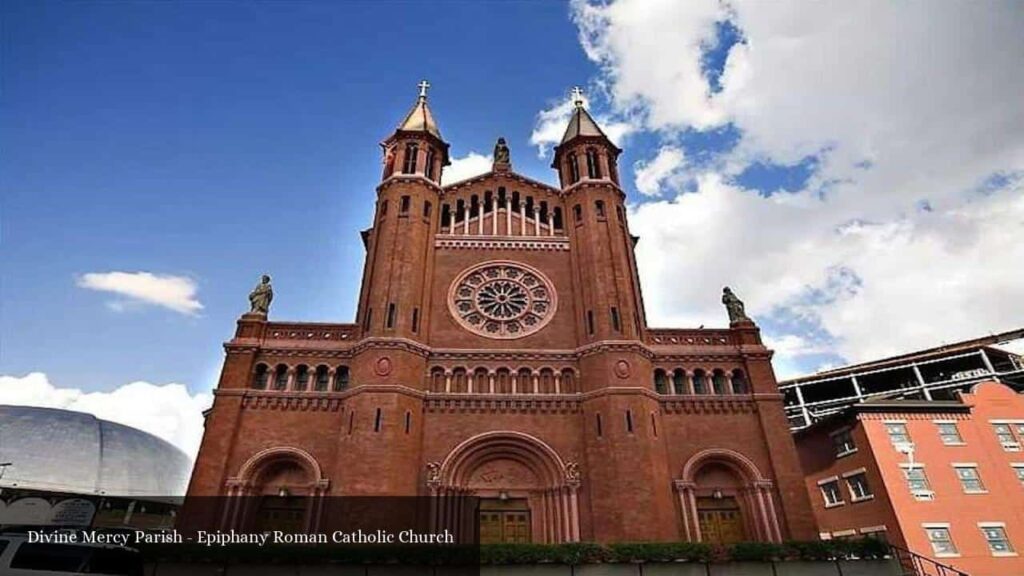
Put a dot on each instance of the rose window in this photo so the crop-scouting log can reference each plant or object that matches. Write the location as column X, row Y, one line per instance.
column 502, row 300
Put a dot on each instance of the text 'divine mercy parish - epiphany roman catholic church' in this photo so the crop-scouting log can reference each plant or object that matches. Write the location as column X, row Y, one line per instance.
column 500, row 351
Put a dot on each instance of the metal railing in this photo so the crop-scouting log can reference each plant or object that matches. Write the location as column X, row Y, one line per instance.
column 913, row 564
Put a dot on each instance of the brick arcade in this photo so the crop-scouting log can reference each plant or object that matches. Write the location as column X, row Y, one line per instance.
column 501, row 351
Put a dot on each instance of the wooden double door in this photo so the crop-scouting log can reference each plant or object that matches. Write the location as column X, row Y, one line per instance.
column 720, row 520
column 504, row 521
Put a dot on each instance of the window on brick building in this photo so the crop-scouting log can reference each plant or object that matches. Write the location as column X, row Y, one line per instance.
column 1018, row 469
column 574, row 169
column 917, row 482
column 390, row 321
column 599, row 208
column 600, row 428
column 429, row 169
column 415, row 319
column 577, row 213
column 1004, row 433
column 590, row 322
column 411, row 154
column 281, row 377
column 857, row 482
column 321, row 379
column 629, row 421
column 408, row 421
column 593, row 165
column 842, row 442
column 403, row 208
column 949, row 433
column 341, row 379
column 377, row 421
column 260, row 377
column 970, row 479
column 301, row 377
column 995, row 535
column 940, row 539
column 660, row 381
column 830, row 492
column 700, row 382
column 427, row 208
column 615, row 319
column 898, row 434
column 739, row 382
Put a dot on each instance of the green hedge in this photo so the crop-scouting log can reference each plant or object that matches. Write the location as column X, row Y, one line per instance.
column 505, row 554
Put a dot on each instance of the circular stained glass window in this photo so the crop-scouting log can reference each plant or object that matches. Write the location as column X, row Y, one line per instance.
column 502, row 299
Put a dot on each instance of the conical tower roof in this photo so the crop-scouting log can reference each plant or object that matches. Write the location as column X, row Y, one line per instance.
column 420, row 118
column 581, row 124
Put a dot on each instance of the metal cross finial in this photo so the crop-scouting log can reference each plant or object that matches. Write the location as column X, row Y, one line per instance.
column 577, row 96
column 423, row 85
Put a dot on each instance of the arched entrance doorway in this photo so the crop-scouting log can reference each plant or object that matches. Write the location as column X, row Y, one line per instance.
column 276, row 489
column 723, row 499
column 521, row 489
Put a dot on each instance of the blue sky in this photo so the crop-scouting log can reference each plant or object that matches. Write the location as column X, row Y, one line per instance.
column 197, row 145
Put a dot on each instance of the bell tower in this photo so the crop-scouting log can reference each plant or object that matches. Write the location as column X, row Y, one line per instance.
column 400, row 244
column 586, row 161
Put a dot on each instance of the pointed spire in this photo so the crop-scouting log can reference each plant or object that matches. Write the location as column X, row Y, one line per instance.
column 420, row 119
column 581, row 123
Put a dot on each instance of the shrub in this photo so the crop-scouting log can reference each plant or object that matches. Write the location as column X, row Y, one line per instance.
column 756, row 552
column 660, row 552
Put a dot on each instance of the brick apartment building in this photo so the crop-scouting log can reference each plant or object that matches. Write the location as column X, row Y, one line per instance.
column 942, row 478
column 500, row 350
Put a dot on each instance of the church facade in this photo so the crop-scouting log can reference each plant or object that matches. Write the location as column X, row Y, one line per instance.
column 501, row 351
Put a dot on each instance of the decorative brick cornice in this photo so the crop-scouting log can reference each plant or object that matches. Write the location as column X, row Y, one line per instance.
column 704, row 404
column 501, row 404
column 531, row 243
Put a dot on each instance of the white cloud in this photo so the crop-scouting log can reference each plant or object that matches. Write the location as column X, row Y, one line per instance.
column 177, row 293
column 470, row 165
column 653, row 174
column 167, row 411
column 903, row 103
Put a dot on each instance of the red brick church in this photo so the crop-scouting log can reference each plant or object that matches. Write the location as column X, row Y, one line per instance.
column 501, row 351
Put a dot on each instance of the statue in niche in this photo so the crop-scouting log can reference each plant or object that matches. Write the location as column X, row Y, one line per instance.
column 501, row 152
column 734, row 306
column 261, row 296
column 433, row 473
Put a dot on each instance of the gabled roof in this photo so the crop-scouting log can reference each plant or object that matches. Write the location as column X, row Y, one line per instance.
column 581, row 124
column 504, row 174
column 420, row 119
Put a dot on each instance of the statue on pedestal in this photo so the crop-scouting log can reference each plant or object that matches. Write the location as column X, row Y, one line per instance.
column 261, row 296
column 734, row 306
column 501, row 152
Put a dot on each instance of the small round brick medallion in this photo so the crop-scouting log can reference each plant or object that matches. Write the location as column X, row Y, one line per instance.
column 622, row 369
column 383, row 366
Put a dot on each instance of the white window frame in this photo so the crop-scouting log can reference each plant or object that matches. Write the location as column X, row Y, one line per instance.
column 848, row 430
column 956, row 425
column 920, row 495
column 1012, row 446
column 957, row 465
column 1002, row 525
column 949, row 532
column 909, row 444
column 1017, row 467
column 824, row 494
column 849, row 485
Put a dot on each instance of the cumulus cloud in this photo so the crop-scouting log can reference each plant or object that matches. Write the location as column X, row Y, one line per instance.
column 470, row 165
column 653, row 174
column 167, row 411
column 177, row 293
column 909, row 230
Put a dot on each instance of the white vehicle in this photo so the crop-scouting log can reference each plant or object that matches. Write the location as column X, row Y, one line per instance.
column 19, row 557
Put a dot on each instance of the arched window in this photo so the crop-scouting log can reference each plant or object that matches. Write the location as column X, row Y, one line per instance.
column 302, row 377
column 460, row 210
column 260, row 377
column 660, row 381
column 524, row 381
column 281, row 377
column 503, row 381
column 739, row 382
column 559, row 224
column 322, row 378
column 593, row 167
column 599, row 207
column 480, row 385
column 718, row 382
column 459, row 380
column 437, row 379
column 430, row 164
column 679, row 382
column 547, row 381
column 488, row 201
column 569, row 381
column 515, row 201
column 577, row 213
column 412, row 151
column 700, row 382
column 574, row 169
column 341, row 379
column 446, row 215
